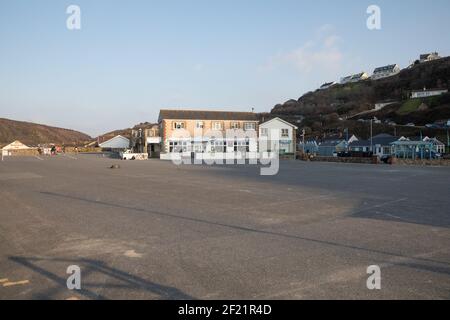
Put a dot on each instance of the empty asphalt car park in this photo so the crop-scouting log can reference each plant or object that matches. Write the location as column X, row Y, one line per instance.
column 154, row 230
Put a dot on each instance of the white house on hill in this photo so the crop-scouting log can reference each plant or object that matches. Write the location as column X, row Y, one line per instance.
column 386, row 71
column 355, row 78
column 427, row 93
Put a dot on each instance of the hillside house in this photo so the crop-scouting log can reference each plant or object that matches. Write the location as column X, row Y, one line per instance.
column 327, row 85
column 386, row 71
column 429, row 57
column 355, row 78
column 427, row 93
column 280, row 132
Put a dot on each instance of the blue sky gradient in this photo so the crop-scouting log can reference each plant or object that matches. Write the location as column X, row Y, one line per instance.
column 132, row 58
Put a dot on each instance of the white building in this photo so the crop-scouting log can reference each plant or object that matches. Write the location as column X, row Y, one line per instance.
column 16, row 145
column 327, row 85
column 355, row 78
column 278, row 130
column 117, row 143
column 427, row 93
column 429, row 57
column 386, row 71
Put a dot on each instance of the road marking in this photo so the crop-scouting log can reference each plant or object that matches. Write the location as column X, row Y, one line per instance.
column 10, row 284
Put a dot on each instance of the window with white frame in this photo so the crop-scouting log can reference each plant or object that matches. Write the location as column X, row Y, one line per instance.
column 250, row 126
column 284, row 133
column 235, row 125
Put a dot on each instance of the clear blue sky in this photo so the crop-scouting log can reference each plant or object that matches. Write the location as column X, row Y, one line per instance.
column 132, row 58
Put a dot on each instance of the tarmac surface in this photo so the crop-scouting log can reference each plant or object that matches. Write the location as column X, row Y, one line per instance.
column 154, row 230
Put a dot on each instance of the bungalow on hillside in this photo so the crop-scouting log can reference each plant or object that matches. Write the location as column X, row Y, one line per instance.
column 327, row 85
column 427, row 93
column 386, row 71
column 355, row 78
column 429, row 57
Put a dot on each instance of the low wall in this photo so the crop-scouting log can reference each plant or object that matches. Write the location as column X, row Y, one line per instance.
column 345, row 160
column 83, row 150
column 23, row 153
column 425, row 162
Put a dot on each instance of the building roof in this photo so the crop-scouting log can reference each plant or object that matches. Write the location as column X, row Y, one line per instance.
column 426, row 55
column 116, row 142
column 206, row 115
column 278, row 119
column 331, row 143
column 390, row 67
column 16, row 145
column 382, row 139
column 327, row 84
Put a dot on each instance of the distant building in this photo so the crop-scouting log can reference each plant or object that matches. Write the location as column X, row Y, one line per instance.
column 429, row 57
column 407, row 149
column 427, row 93
column 310, row 147
column 16, row 145
column 380, row 145
column 327, row 85
column 330, row 148
column 285, row 134
column 116, row 144
column 208, row 134
column 355, row 78
column 146, row 139
column 386, row 71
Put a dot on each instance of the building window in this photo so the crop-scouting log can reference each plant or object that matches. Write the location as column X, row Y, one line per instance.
column 200, row 125
column 264, row 132
column 285, row 133
column 178, row 125
column 217, row 126
column 235, row 125
column 249, row 126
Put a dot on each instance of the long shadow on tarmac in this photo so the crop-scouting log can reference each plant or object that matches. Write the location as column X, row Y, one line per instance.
column 246, row 229
column 89, row 266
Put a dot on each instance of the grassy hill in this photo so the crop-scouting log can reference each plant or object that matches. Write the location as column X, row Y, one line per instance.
column 33, row 134
column 323, row 110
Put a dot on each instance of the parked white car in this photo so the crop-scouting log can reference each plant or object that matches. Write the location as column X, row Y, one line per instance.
column 130, row 155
